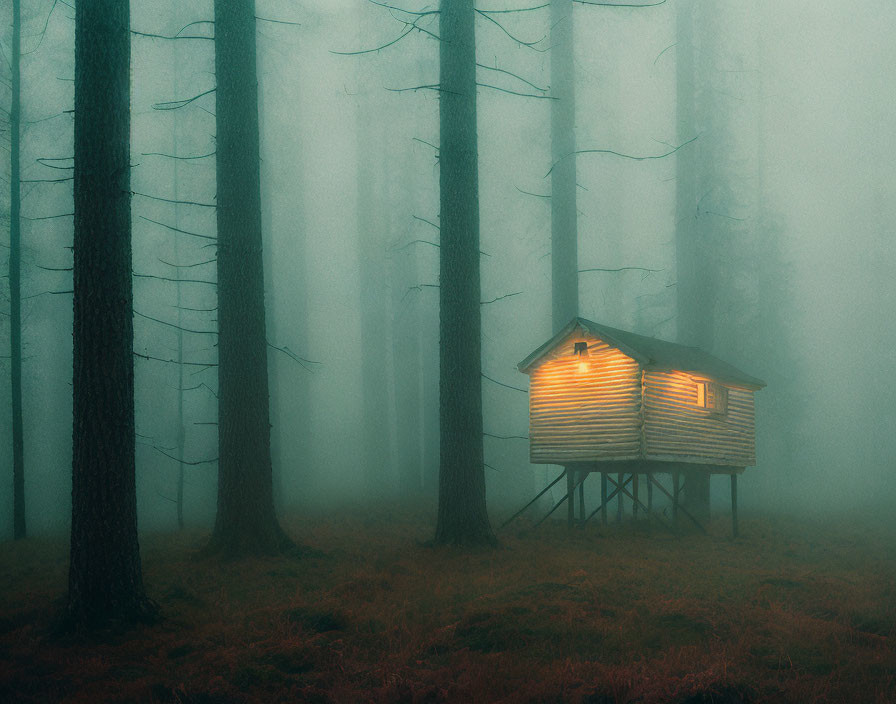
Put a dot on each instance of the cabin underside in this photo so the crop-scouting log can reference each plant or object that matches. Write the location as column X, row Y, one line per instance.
column 652, row 466
column 636, row 481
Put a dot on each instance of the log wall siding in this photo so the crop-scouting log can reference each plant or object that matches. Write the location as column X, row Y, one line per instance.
column 584, row 416
column 675, row 428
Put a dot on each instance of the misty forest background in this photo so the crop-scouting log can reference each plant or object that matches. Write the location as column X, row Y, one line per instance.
column 786, row 119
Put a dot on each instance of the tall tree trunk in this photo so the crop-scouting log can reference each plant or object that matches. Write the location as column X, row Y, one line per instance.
column 272, row 308
column 277, row 468
column 373, row 204
column 694, row 285
column 246, row 522
column 405, row 370
column 105, row 577
column 15, row 281
column 564, row 216
column 181, row 430
column 462, row 515
column 694, row 278
column 429, row 401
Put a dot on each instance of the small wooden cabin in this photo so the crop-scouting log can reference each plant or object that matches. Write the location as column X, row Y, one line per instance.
column 598, row 394
column 610, row 401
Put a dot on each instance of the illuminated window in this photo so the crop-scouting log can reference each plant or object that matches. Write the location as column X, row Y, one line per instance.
column 712, row 396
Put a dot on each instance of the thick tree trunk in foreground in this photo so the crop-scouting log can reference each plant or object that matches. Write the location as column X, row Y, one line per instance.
column 564, row 217
column 462, row 516
column 246, row 522
column 105, row 578
column 15, row 280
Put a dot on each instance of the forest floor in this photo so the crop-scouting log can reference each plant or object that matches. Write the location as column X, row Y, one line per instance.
column 792, row 611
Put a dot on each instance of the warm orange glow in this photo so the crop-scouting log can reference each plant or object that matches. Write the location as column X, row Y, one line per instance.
column 583, row 404
column 683, row 420
column 580, row 350
column 591, row 402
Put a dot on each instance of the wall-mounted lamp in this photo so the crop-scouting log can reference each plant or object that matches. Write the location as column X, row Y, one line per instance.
column 580, row 350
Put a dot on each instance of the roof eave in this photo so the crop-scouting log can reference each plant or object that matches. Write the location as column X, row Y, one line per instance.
column 639, row 357
column 565, row 331
column 736, row 378
column 539, row 352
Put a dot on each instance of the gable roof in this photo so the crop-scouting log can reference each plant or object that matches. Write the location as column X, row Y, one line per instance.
column 650, row 352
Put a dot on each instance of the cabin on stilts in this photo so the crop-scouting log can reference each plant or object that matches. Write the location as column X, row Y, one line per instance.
column 612, row 402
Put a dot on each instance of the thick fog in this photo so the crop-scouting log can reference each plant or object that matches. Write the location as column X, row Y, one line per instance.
column 792, row 136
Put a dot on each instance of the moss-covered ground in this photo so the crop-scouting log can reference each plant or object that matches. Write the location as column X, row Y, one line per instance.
column 793, row 611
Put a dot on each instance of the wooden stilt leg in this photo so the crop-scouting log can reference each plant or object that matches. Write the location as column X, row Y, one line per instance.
column 676, row 489
column 570, row 498
column 635, row 496
column 649, row 495
column 603, row 497
column 582, row 477
column 619, row 478
column 733, row 505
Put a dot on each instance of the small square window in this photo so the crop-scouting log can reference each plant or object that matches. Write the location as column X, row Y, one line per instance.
column 712, row 396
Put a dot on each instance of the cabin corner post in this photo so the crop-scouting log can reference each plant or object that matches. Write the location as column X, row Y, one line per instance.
column 583, row 475
column 603, row 498
column 620, row 478
column 642, row 425
column 648, row 480
column 649, row 495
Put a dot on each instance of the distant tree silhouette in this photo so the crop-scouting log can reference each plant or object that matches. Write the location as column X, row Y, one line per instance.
column 246, row 522
column 695, row 281
column 15, row 274
column 373, row 182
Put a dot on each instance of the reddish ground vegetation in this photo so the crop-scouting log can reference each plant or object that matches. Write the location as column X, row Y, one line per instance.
column 791, row 612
